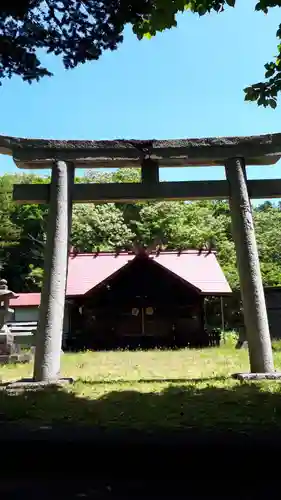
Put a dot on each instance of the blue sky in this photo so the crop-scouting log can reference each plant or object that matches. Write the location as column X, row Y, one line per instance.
column 186, row 82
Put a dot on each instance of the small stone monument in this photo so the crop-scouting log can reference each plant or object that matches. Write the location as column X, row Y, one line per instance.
column 9, row 351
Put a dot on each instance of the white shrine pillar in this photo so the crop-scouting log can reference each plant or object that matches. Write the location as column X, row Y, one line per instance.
column 51, row 314
column 255, row 313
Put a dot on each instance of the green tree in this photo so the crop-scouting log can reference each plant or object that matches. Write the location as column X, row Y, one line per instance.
column 22, row 233
column 35, row 277
column 29, row 254
column 130, row 211
column 268, row 230
column 99, row 227
column 8, row 230
column 120, row 175
column 80, row 31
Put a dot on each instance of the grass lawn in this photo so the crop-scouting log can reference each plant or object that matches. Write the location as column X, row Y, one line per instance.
column 153, row 390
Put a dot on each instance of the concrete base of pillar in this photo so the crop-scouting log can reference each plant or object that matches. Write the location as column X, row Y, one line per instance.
column 257, row 376
column 32, row 385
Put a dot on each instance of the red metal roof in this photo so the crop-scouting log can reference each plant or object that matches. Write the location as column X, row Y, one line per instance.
column 26, row 300
column 86, row 271
column 201, row 270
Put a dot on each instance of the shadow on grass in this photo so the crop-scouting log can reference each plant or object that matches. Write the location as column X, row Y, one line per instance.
column 129, row 433
column 200, row 405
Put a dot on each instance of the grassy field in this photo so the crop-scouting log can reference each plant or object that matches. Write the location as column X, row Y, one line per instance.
column 149, row 390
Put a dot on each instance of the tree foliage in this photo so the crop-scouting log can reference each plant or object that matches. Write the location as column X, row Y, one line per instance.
column 99, row 227
column 22, row 233
column 80, row 31
column 8, row 231
column 202, row 225
column 77, row 30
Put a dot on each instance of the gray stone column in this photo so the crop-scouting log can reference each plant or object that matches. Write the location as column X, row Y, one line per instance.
column 51, row 315
column 255, row 313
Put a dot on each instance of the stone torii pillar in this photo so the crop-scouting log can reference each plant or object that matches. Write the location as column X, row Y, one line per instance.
column 255, row 313
column 51, row 314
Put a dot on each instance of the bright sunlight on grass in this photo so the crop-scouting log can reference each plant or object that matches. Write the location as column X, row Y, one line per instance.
column 149, row 390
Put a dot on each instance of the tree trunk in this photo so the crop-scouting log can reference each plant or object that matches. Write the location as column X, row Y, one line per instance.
column 255, row 313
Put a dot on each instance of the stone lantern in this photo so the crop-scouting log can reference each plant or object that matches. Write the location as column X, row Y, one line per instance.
column 6, row 338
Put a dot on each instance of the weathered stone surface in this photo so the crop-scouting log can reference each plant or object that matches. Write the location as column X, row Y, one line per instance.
column 51, row 313
column 7, row 345
column 252, row 293
column 33, row 349
column 257, row 376
column 30, row 384
column 9, row 144
column 124, row 192
column 5, row 311
column 36, row 153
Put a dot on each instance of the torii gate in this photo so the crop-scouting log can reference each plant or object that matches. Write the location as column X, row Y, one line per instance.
column 64, row 156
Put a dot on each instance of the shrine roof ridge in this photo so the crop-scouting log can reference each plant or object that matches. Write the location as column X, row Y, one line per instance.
column 41, row 153
column 74, row 254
